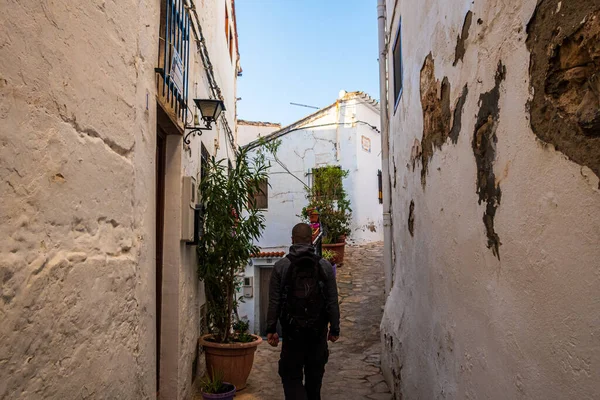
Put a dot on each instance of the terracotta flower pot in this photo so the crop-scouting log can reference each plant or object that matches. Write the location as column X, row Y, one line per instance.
column 314, row 217
column 339, row 250
column 234, row 360
column 229, row 395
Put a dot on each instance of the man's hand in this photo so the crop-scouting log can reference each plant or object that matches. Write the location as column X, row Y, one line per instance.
column 273, row 339
column 332, row 338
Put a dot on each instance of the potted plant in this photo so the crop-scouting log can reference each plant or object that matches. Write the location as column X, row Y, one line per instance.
column 314, row 216
column 231, row 225
column 213, row 387
column 331, row 257
column 328, row 196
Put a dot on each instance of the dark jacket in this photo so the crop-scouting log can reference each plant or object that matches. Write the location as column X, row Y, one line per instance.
column 275, row 288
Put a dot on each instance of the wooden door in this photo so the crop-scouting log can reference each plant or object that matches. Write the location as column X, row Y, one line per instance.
column 161, row 146
column 265, row 279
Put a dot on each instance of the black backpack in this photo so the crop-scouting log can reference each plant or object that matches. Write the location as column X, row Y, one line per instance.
column 303, row 295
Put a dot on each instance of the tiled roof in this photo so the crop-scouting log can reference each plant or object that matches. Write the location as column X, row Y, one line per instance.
column 274, row 254
column 258, row 123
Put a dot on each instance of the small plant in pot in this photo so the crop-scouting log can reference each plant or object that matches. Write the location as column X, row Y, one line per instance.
column 331, row 257
column 213, row 387
column 231, row 225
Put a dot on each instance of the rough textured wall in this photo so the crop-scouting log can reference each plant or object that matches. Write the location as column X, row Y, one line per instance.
column 495, row 209
column 76, row 153
column 564, row 40
column 183, row 293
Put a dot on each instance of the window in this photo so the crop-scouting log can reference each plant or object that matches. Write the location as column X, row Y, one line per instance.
column 397, row 65
column 173, row 58
column 230, row 46
column 228, row 33
column 327, row 183
column 260, row 200
column 380, row 185
column 226, row 24
column 204, row 157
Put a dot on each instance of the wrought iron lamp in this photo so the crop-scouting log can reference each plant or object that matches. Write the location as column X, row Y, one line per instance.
column 210, row 110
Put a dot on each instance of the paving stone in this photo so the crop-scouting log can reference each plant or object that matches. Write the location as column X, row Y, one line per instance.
column 374, row 379
column 381, row 387
column 380, row 396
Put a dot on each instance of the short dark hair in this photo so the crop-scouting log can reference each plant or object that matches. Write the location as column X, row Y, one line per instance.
column 302, row 233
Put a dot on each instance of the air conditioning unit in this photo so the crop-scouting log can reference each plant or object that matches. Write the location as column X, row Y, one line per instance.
column 189, row 202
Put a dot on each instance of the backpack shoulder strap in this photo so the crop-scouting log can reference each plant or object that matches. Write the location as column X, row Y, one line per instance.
column 322, row 272
column 286, row 268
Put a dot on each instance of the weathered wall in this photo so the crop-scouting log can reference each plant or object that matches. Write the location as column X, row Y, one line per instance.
column 77, row 215
column 305, row 149
column 180, row 261
column 495, row 232
column 77, row 168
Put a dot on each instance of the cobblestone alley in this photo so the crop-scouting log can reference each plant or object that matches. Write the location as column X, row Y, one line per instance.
column 353, row 370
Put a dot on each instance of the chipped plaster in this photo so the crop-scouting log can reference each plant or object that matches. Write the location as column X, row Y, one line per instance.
column 460, row 323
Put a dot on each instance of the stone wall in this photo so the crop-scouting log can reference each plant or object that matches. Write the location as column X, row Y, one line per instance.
column 495, row 201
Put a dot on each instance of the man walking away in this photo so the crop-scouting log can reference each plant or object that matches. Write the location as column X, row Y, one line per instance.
column 303, row 297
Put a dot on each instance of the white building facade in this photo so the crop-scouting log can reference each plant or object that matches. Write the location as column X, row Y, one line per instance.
column 494, row 128
column 344, row 134
column 249, row 131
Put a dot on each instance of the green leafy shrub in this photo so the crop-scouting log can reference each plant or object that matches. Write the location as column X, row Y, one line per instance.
column 231, row 225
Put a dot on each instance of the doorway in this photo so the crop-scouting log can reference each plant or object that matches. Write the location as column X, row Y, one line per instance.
column 161, row 148
column 265, row 279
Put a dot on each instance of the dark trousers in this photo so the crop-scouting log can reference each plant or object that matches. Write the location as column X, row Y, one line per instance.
column 303, row 356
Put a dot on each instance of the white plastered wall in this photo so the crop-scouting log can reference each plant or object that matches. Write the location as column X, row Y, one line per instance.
column 78, row 216
column 305, row 149
column 459, row 322
column 250, row 131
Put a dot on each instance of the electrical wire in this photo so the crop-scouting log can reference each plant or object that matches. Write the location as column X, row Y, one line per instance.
column 257, row 143
column 212, row 82
column 290, row 172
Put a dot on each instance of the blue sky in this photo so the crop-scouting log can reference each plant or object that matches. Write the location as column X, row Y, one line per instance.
column 304, row 51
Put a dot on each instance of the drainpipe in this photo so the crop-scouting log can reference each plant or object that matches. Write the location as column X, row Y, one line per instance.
column 338, row 143
column 385, row 149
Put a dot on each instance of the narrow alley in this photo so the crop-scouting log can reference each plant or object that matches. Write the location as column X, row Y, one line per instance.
column 353, row 366
column 159, row 159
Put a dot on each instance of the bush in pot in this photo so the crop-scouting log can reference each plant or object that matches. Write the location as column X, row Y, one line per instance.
column 231, row 225
column 329, row 197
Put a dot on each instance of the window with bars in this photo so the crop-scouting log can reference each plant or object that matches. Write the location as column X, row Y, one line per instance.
column 174, row 57
column 204, row 157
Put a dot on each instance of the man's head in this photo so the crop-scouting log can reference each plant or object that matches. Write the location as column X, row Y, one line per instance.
column 302, row 234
